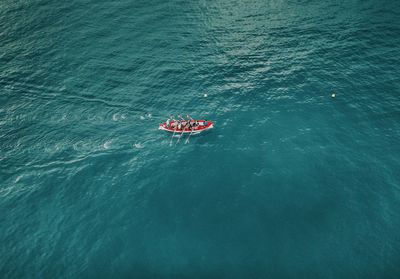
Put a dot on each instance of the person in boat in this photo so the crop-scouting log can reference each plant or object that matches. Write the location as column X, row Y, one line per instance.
column 171, row 122
column 180, row 123
column 192, row 124
column 190, row 120
column 187, row 125
column 195, row 124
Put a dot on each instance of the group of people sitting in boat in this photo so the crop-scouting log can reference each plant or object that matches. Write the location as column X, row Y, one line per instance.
column 182, row 124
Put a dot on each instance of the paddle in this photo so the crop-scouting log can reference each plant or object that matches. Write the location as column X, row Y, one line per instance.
column 170, row 143
column 191, row 132
column 183, row 129
column 192, row 128
column 171, row 118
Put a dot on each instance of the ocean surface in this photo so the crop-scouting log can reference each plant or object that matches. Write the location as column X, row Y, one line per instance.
column 291, row 182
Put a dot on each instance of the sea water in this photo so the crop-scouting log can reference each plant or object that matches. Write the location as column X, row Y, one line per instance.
column 291, row 182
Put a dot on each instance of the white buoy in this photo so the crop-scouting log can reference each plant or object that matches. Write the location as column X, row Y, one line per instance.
column 205, row 95
column 333, row 95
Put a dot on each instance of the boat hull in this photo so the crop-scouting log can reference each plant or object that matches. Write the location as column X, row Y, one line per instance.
column 203, row 126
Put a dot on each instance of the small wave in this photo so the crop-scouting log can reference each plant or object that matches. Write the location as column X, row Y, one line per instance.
column 107, row 144
column 5, row 191
column 117, row 117
column 18, row 178
column 138, row 145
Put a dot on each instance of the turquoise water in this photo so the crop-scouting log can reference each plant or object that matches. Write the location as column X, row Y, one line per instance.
column 291, row 183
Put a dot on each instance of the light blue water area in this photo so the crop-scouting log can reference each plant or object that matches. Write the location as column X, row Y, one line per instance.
column 291, row 183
